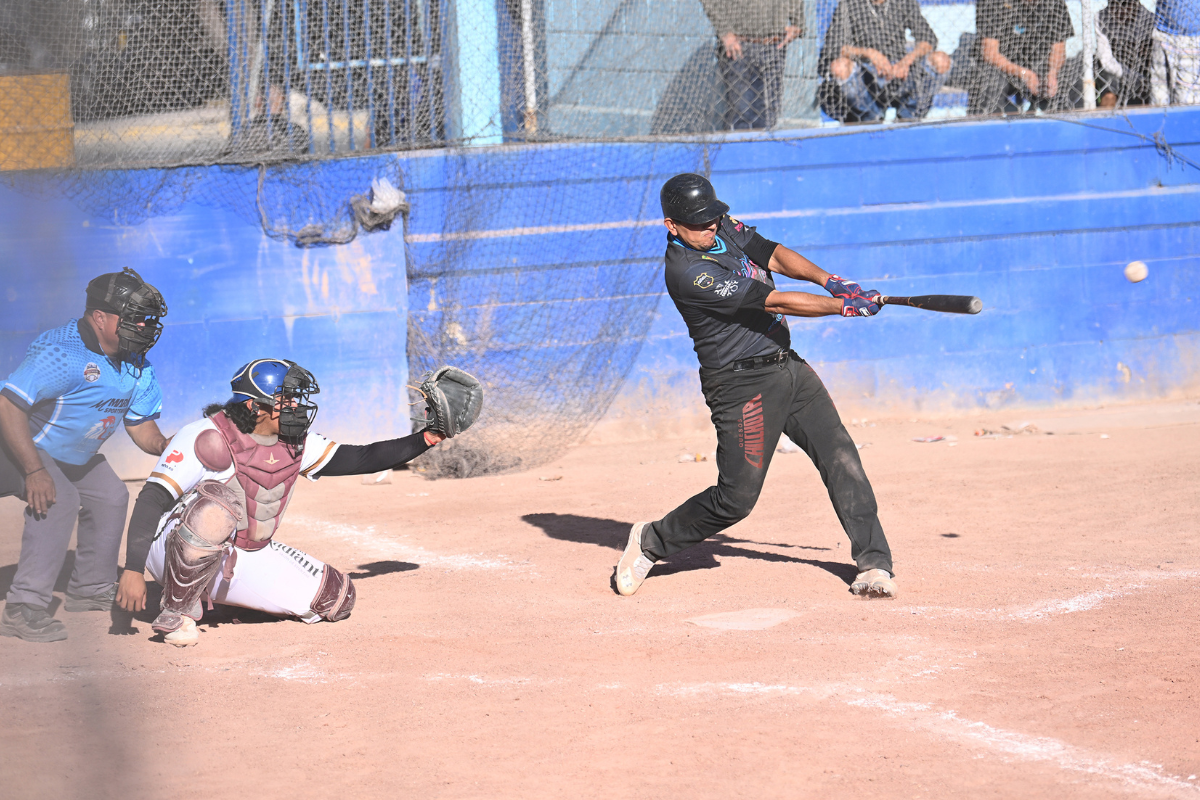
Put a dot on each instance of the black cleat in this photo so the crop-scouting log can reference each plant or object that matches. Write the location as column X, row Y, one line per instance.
column 97, row 602
column 30, row 623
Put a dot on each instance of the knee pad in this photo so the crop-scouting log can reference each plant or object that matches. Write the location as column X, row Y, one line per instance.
column 194, row 548
column 335, row 597
column 210, row 514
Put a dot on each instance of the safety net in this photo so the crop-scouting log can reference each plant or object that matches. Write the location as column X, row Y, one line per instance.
column 324, row 120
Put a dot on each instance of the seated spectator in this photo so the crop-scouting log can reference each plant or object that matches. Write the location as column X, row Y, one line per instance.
column 1123, row 31
column 1022, row 58
column 1175, row 53
column 866, row 67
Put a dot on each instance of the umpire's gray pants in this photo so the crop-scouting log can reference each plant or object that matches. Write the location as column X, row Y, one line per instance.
column 96, row 497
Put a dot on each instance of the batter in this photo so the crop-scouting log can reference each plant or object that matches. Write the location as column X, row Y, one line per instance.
column 719, row 275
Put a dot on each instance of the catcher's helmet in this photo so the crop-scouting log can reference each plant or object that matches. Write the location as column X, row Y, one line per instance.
column 279, row 383
column 691, row 199
column 140, row 307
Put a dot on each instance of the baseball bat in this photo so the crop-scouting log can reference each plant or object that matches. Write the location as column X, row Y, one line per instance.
column 946, row 303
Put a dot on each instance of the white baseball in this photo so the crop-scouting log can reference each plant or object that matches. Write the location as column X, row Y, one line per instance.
column 1136, row 271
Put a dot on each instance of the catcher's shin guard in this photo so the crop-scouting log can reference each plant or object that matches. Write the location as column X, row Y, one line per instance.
column 194, row 548
column 335, row 597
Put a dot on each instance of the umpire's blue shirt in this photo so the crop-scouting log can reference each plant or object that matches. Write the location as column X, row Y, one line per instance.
column 75, row 395
column 721, row 293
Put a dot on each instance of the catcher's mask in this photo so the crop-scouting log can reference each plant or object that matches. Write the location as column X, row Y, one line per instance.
column 276, row 383
column 140, row 307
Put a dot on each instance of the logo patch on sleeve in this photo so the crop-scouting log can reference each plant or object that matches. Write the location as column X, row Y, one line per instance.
column 704, row 281
column 91, row 373
column 727, row 288
column 176, row 457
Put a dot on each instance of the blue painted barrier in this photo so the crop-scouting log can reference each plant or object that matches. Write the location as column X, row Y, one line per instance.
column 233, row 294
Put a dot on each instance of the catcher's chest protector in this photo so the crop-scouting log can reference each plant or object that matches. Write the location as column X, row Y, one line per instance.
column 265, row 477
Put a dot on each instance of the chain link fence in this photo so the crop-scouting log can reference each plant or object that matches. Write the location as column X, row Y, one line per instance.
column 129, row 83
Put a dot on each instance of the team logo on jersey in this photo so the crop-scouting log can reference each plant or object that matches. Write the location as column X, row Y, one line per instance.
column 176, row 457
column 751, row 270
column 708, row 258
column 727, row 288
column 102, row 429
column 704, row 281
column 91, row 373
column 737, row 226
column 112, row 404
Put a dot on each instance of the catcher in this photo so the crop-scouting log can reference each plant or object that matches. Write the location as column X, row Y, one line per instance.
column 204, row 522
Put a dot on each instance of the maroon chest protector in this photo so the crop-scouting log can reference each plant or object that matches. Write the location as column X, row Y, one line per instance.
column 265, row 477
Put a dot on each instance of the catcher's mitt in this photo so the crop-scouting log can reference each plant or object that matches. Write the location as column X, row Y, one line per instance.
column 453, row 400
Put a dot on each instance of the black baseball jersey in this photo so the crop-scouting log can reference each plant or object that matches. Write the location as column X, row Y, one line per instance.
column 721, row 295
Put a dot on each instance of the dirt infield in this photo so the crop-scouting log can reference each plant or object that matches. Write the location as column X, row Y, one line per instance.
column 1046, row 642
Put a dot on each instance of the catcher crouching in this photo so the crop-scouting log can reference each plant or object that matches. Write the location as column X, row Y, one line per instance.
column 204, row 523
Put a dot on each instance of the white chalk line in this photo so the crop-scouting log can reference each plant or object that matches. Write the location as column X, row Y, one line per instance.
column 1046, row 609
column 480, row 680
column 374, row 542
column 949, row 725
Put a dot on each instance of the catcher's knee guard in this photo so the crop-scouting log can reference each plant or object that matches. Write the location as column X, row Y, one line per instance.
column 335, row 597
column 195, row 544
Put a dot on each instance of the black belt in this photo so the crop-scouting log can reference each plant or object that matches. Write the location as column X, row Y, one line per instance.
column 758, row 362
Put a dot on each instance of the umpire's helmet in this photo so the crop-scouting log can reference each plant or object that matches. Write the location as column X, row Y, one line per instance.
column 689, row 198
column 140, row 307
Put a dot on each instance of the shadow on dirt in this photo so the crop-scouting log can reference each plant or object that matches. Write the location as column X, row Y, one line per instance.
column 122, row 621
column 613, row 534
column 376, row 568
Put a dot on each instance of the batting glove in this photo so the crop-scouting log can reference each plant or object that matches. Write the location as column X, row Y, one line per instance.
column 840, row 287
column 862, row 305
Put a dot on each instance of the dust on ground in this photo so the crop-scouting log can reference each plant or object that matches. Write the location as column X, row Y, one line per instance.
column 1044, row 643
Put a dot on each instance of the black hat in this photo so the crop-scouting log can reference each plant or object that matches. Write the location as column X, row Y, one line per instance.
column 689, row 198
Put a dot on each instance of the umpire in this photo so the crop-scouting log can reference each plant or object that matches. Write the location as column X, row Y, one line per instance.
column 62, row 402
column 719, row 273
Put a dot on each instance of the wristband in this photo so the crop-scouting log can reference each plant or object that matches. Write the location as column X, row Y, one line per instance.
column 35, row 472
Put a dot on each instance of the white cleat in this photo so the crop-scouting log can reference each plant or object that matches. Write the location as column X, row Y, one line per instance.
column 874, row 583
column 185, row 636
column 633, row 566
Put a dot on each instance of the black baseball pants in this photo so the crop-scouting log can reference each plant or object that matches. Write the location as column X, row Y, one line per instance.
column 750, row 408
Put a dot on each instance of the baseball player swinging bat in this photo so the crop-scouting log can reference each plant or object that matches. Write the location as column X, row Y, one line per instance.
column 946, row 303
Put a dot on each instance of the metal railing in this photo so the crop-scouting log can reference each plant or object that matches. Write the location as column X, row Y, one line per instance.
column 329, row 76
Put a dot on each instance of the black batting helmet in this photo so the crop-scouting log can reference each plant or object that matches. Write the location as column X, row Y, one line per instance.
column 139, row 305
column 689, row 198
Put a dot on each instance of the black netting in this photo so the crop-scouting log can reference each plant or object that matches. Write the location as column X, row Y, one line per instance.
column 279, row 110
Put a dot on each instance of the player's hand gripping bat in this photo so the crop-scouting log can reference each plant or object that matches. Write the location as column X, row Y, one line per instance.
column 947, row 303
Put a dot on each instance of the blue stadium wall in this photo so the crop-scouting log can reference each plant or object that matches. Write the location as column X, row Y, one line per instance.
column 1038, row 217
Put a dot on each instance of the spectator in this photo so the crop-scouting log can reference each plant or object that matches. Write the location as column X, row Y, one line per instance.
column 754, row 36
column 1175, row 53
column 866, row 68
column 1022, row 57
column 1123, row 31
